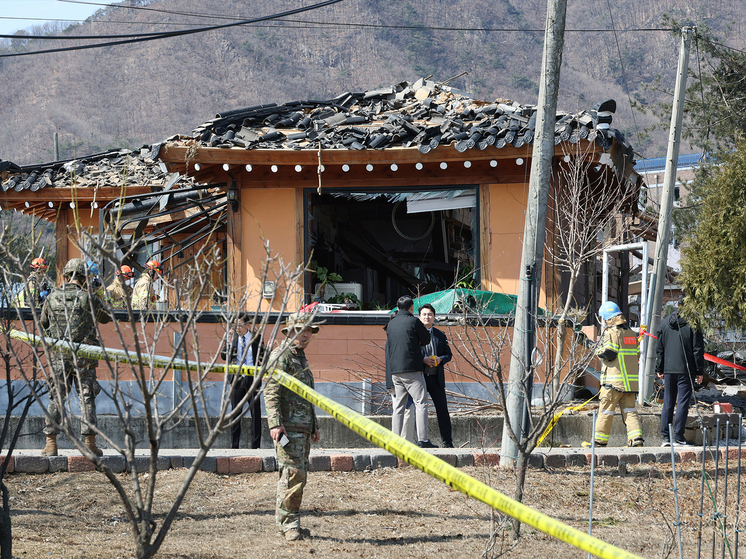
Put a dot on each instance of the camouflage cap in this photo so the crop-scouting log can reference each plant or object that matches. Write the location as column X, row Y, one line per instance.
column 74, row 267
column 301, row 321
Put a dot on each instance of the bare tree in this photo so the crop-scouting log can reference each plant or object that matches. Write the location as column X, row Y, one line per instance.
column 23, row 239
column 484, row 346
column 587, row 215
column 141, row 399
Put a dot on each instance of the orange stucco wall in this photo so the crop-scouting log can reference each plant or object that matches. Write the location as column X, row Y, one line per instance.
column 267, row 215
column 504, row 235
column 336, row 354
column 504, row 230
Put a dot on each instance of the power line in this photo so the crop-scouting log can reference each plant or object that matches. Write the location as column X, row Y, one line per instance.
column 82, row 21
column 153, row 36
column 371, row 25
column 312, row 25
column 621, row 65
column 147, row 9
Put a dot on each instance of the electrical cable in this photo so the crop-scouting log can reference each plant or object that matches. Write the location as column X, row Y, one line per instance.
column 46, row 19
column 624, row 75
column 346, row 24
column 325, row 24
column 152, row 36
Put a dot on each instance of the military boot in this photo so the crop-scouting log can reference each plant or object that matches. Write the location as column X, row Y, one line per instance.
column 51, row 448
column 90, row 442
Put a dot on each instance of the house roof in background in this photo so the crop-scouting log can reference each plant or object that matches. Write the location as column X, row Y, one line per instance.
column 658, row 164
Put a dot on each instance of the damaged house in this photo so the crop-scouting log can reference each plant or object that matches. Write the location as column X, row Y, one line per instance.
column 412, row 189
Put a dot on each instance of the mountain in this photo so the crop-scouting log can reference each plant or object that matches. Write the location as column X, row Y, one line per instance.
column 128, row 95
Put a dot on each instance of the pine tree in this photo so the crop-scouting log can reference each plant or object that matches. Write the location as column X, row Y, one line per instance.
column 714, row 260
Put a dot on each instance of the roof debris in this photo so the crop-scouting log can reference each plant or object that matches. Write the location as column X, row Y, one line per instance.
column 118, row 168
column 423, row 114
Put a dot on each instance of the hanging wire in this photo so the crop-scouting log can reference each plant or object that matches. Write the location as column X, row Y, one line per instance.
column 675, row 489
column 725, row 492
column 142, row 37
column 593, row 470
column 716, row 514
column 702, row 493
column 702, row 93
column 738, row 483
column 621, row 65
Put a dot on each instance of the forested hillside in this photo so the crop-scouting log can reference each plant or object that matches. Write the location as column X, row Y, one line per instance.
column 139, row 93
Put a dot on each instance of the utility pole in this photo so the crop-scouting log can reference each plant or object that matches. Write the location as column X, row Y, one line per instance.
column 664, row 217
column 534, row 228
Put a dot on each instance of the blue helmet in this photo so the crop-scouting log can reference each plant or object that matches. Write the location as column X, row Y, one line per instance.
column 92, row 267
column 609, row 310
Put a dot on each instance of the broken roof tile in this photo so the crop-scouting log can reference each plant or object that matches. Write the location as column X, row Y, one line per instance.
column 423, row 114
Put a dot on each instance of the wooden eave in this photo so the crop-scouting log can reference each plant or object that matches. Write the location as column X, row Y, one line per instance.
column 298, row 168
column 37, row 203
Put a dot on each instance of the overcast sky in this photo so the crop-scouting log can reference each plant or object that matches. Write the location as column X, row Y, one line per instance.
column 51, row 9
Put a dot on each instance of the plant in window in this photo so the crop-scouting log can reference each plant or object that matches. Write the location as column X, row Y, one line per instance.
column 465, row 275
column 324, row 276
column 347, row 298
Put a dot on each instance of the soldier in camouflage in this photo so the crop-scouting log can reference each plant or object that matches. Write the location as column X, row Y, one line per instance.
column 292, row 423
column 70, row 313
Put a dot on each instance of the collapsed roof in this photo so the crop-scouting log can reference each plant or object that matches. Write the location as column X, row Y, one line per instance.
column 423, row 114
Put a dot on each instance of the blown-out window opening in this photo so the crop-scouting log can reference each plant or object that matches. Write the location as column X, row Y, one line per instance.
column 384, row 243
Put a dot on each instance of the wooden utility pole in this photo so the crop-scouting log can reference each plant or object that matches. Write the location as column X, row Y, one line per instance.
column 664, row 217
column 534, row 228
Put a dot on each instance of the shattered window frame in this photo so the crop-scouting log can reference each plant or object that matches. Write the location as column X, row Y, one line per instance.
column 463, row 197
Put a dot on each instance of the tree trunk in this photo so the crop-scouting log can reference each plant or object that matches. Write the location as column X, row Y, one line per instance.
column 561, row 336
column 6, row 534
column 520, row 481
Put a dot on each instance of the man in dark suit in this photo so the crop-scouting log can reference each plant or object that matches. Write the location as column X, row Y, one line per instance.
column 680, row 363
column 243, row 347
column 434, row 355
column 405, row 334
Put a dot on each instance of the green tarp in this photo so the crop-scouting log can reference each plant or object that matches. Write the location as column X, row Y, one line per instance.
column 482, row 302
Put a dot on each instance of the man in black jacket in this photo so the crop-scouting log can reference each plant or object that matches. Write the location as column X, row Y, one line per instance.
column 434, row 356
column 405, row 335
column 243, row 347
column 680, row 358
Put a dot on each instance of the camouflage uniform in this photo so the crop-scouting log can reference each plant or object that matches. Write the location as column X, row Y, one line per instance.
column 117, row 293
column 143, row 298
column 297, row 415
column 66, row 315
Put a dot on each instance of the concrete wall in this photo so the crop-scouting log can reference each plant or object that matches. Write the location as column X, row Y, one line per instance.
column 468, row 432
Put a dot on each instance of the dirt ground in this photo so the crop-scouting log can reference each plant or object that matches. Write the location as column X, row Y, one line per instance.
column 389, row 513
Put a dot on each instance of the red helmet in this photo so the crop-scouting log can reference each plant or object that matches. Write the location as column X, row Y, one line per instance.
column 126, row 271
column 39, row 264
column 154, row 265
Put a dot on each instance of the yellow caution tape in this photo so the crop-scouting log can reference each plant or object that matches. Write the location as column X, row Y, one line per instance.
column 88, row 351
column 376, row 434
column 449, row 475
column 557, row 416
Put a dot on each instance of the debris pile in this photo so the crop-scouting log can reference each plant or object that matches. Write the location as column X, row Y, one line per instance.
column 423, row 114
column 117, row 168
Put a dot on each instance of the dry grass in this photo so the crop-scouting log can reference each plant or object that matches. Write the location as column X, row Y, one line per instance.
column 384, row 513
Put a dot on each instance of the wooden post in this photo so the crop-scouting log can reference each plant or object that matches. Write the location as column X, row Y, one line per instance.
column 61, row 241
column 534, row 229
column 485, row 239
column 234, row 244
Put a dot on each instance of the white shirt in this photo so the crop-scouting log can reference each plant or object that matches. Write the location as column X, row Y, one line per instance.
column 243, row 342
